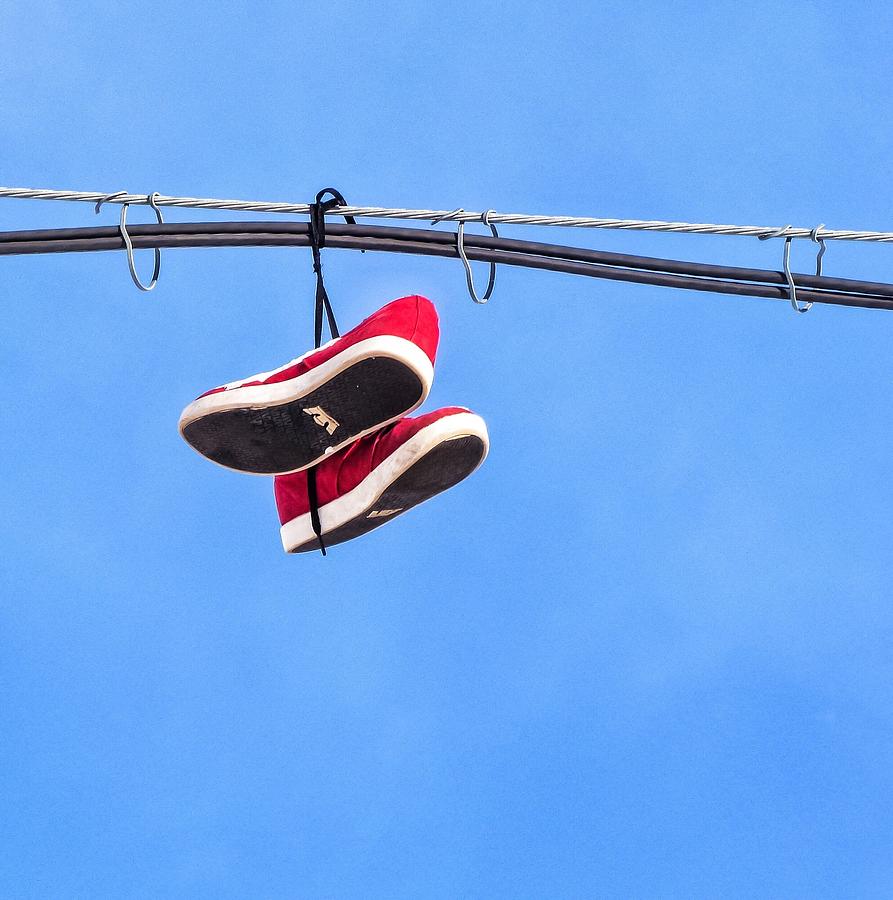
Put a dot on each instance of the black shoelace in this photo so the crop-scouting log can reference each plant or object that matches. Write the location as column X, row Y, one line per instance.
column 323, row 307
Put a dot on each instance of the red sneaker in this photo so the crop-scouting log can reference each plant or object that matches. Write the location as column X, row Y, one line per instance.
column 381, row 476
column 288, row 419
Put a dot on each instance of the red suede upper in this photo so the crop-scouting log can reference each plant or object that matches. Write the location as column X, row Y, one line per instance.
column 343, row 471
column 413, row 318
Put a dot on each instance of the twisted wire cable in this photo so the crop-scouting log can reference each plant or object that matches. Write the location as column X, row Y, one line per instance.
column 455, row 215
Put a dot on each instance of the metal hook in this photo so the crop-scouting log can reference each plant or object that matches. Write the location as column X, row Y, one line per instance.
column 446, row 215
column 469, row 277
column 792, row 288
column 150, row 200
column 106, row 198
column 128, row 244
column 814, row 236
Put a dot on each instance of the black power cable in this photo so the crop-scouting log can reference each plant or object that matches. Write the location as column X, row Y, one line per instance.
column 573, row 260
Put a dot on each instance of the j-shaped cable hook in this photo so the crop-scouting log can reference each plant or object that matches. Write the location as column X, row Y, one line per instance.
column 814, row 236
column 792, row 288
column 469, row 277
column 128, row 244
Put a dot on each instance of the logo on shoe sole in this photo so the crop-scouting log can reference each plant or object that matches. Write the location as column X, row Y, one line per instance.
column 380, row 513
column 322, row 418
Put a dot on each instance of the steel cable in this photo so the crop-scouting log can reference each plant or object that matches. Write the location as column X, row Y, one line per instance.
column 456, row 215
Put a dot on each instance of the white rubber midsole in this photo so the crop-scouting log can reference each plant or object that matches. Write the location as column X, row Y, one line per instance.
column 364, row 496
column 261, row 396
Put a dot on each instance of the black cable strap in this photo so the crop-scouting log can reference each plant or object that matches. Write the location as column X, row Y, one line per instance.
column 317, row 242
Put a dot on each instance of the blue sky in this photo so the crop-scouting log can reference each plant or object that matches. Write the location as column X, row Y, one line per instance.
column 644, row 651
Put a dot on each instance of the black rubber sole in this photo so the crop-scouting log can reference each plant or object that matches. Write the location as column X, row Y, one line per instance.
column 285, row 438
column 440, row 468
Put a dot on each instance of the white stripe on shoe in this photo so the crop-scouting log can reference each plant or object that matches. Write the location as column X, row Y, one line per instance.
column 244, row 396
column 362, row 499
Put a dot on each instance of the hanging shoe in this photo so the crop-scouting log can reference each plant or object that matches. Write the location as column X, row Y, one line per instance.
column 288, row 419
column 381, row 476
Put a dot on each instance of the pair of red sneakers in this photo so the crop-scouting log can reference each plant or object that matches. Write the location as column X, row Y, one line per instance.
column 342, row 410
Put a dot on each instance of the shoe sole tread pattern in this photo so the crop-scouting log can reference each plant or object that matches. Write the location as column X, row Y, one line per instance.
column 440, row 468
column 283, row 438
